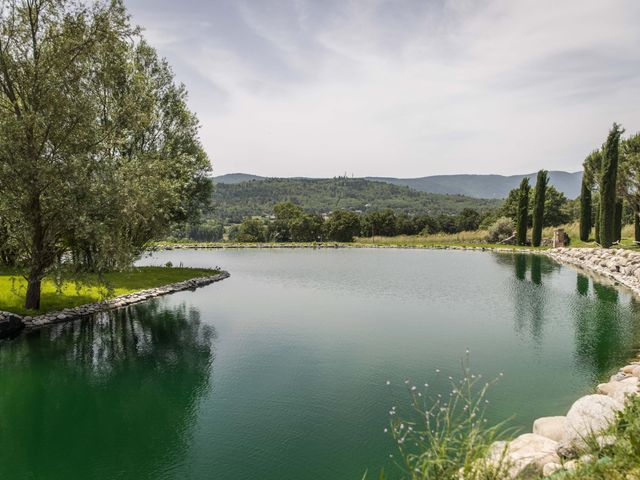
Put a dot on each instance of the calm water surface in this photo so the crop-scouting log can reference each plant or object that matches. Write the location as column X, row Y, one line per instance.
column 279, row 372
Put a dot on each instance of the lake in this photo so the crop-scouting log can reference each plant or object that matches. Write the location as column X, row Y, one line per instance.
column 280, row 372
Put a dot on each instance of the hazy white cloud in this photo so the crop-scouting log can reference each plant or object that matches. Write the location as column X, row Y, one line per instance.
column 401, row 88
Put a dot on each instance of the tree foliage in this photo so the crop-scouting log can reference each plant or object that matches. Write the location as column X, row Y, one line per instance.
column 538, row 209
column 522, row 219
column 586, row 202
column 608, row 186
column 343, row 226
column 233, row 202
column 98, row 151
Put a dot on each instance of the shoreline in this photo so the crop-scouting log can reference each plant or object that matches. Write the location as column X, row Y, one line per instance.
column 555, row 442
column 30, row 323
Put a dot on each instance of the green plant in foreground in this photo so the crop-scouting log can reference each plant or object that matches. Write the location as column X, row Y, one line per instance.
column 448, row 436
column 619, row 460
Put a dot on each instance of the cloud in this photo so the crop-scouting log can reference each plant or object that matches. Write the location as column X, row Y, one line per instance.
column 401, row 88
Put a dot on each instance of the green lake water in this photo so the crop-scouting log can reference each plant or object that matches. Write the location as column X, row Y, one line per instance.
column 279, row 372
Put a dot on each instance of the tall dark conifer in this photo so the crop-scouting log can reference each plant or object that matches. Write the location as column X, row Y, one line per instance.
column 538, row 208
column 617, row 220
column 636, row 223
column 585, row 206
column 608, row 179
column 523, row 212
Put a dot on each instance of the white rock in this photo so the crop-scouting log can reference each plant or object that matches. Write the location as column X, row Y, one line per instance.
column 524, row 457
column 616, row 377
column 605, row 440
column 571, row 465
column 589, row 415
column 550, row 427
column 620, row 390
column 551, row 468
column 636, row 371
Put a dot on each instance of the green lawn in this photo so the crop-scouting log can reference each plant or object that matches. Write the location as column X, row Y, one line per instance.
column 71, row 294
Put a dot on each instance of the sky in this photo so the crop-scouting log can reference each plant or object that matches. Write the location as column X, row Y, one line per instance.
column 411, row 88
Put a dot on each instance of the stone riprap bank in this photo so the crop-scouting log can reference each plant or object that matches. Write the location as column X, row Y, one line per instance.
column 17, row 323
column 554, row 444
column 622, row 266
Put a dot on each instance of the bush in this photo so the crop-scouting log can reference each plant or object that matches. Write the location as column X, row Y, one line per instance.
column 252, row 230
column 501, row 230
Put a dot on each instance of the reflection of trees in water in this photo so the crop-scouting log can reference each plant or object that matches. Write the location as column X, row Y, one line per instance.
column 606, row 330
column 598, row 336
column 529, row 296
column 582, row 285
column 110, row 397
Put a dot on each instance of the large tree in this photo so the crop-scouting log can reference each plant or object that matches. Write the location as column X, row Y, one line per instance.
column 586, row 200
column 629, row 171
column 608, row 186
column 98, row 152
column 538, row 209
column 522, row 219
column 556, row 207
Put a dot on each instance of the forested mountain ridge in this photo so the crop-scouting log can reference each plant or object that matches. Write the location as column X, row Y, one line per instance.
column 232, row 202
column 476, row 186
column 486, row 186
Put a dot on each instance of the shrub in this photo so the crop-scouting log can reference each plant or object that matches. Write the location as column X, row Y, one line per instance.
column 447, row 437
column 501, row 230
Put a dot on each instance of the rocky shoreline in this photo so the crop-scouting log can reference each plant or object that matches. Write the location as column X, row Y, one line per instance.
column 555, row 442
column 15, row 323
column 323, row 245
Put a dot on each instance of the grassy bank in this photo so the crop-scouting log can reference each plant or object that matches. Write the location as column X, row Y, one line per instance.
column 475, row 238
column 92, row 288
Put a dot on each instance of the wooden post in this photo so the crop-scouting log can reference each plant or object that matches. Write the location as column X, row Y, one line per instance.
column 558, row 238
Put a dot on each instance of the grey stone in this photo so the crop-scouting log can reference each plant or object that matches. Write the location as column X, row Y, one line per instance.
column 589, row 416
column 550, row 427
column 10, row 324
column 524, row 457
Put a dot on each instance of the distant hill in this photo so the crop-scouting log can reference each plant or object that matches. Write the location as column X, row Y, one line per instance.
column 476, row 186
column 233, row 178
column 485, row 186
column 233, row 201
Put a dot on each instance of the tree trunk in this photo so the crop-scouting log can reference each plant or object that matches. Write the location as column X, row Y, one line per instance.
column 39, row 256
column 32, row 301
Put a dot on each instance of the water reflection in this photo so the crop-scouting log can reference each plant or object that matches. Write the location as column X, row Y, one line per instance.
column 598, row 328
column 147, row 366
column 529, row 294
column 536, row 269
column 604, row 330
column 582, row 285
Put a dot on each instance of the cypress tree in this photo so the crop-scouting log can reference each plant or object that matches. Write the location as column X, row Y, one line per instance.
column 585, row 207
column 636, row 223
column 618, row 221
column 538, row 209
column 597, row 235
column 523, row 212
column 608, row 186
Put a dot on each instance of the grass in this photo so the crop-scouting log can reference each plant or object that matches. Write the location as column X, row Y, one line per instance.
column 619, row 461
column 444, row 434
column 56, row 297
column 447, row 438
column 461, row 239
